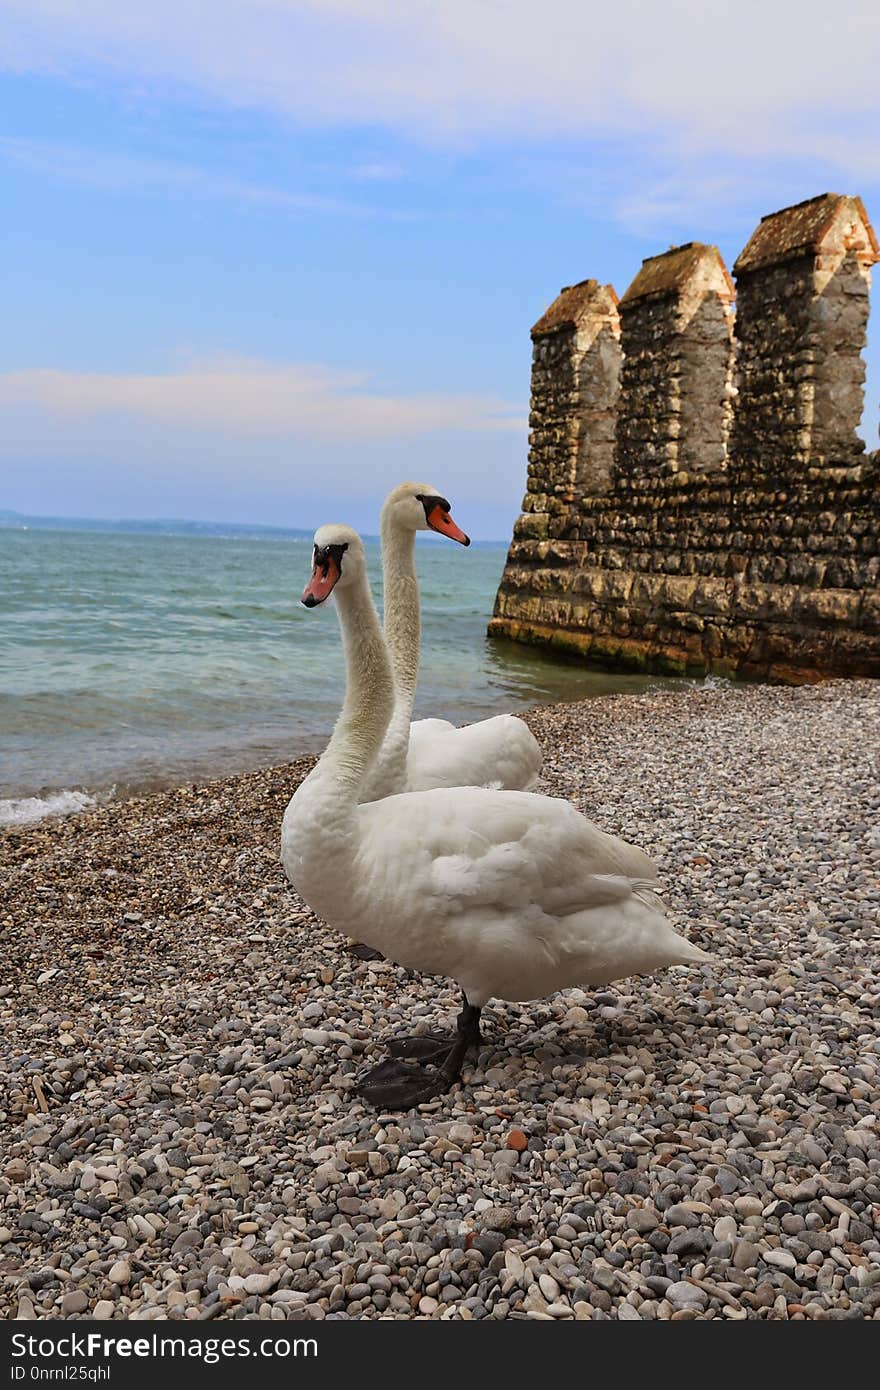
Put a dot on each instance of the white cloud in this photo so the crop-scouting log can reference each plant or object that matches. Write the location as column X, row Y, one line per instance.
column 762, row 78
column 128, row 174
column 254, row 398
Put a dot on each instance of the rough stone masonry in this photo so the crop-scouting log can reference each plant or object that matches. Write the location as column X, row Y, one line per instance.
column 698, row 498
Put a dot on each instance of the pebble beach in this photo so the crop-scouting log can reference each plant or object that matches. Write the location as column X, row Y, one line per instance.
column 179, row 1039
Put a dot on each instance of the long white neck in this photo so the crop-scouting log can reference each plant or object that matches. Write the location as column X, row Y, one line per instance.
column 319, row 834
column 403, row 623
column 402, row 637
column 369, row 692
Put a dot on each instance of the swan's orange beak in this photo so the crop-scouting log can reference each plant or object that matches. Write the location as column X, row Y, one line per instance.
column 320, row 586
column 440, row 520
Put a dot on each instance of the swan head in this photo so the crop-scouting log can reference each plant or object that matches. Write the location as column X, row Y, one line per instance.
column 420, row 507
column 338, row 560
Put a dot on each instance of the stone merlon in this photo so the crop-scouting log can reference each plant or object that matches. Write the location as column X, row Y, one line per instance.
column 574, row 306
column 829, row 221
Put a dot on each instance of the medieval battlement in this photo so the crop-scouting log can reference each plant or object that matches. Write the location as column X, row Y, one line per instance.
column 698, row 497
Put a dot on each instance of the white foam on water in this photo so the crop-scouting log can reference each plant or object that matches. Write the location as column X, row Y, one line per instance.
column 25, row 810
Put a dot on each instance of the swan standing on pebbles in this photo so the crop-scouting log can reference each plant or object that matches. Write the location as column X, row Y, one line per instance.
column 501, row 752
column 513, row 895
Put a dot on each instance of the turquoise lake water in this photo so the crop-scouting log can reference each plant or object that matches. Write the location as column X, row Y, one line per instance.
column 129, row 660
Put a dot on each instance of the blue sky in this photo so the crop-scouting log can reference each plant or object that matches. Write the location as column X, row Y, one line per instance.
column 265, row 258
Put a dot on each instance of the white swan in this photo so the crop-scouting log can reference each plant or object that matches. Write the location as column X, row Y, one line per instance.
column 501, row 752
column 513, row 895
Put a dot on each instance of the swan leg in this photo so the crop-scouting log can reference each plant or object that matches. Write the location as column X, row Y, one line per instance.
column 468, row 1035
column 395, row 1085
column 433, row 1047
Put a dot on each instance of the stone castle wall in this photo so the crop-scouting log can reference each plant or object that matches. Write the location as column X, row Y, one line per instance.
column 738, row 528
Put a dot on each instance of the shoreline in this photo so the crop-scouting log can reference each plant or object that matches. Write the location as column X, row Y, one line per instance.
column 179, row 1038
column 79, row 796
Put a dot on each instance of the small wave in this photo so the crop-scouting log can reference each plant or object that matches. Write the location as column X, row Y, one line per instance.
column 25, row 810
column 721, row 684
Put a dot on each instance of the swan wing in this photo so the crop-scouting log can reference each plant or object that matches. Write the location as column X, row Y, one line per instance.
column 512, row 894
column 472, row 846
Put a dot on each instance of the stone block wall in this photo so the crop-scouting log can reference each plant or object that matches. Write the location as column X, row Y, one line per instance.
column 739, row 527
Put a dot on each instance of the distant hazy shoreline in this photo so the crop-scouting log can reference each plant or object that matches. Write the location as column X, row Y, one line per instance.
column 241, row 530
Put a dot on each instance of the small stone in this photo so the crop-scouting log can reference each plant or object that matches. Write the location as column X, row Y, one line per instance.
column 832, row 1082
column 259, row 1283
column 189, row 1240
column 727, row 1180
column 604, row 1278
column 120, row 1273
column 745, row 1255
column 76, row 1301
column 462, row 1135
column 642, row 1219
column 781, row 1259
column 513, row 1264
column 627, row 1313
column 488, row 1243
column 695, row 1242
column 684, row 1295
column 494, row 1218
column 678, row 1215
column 748, row 1206
column 517, row 1140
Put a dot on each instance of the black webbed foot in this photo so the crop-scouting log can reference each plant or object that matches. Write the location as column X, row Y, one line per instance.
column 397, row 1085
column 429, row 1047
column 364, row 952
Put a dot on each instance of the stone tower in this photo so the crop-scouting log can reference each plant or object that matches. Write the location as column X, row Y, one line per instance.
column 676, row 335
column 802, row 311
column 575, row 371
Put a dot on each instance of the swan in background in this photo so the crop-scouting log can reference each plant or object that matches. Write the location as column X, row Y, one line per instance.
column 511, row 894
column 501, row 752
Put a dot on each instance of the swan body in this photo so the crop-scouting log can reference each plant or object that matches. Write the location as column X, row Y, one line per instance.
column 501, row 752
column 511, row 894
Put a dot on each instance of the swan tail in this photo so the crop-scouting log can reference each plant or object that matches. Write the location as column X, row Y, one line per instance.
column 686, row 952
column 690, row 954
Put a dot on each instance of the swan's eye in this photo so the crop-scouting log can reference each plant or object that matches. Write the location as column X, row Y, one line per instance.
column 430, row 502
column 437, row 516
